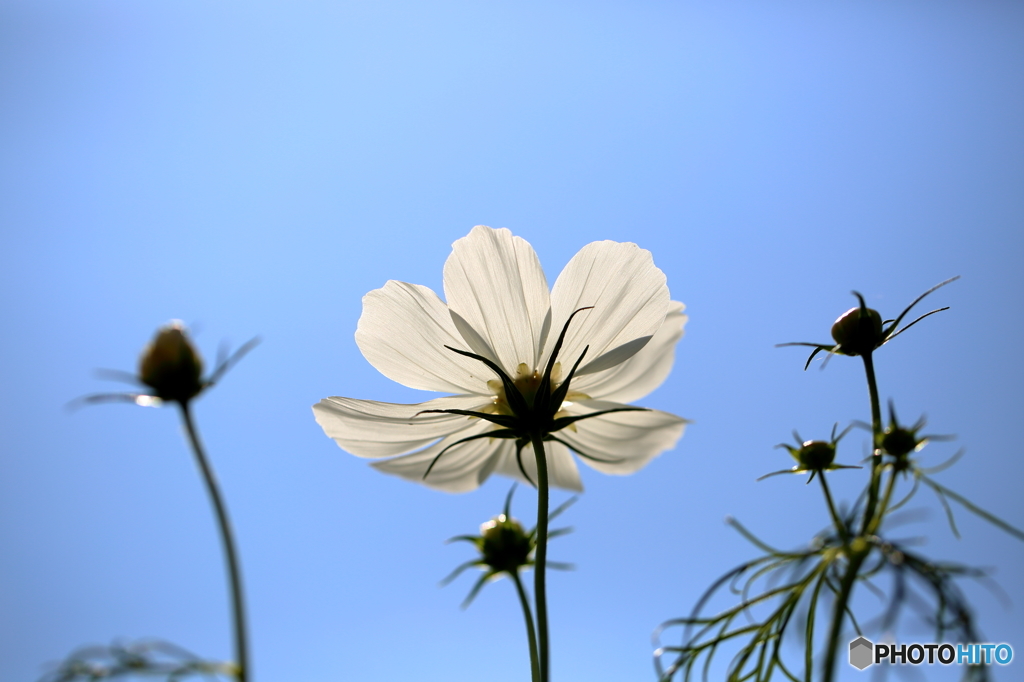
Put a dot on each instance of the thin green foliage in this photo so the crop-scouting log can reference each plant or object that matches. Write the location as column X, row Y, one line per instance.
column 782, row 593
column 145, row 658
column 794, row 584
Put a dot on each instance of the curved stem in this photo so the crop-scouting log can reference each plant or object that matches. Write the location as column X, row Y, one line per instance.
column 530, row 632
column 840, row 528
column 227, row 540
column 539, row 591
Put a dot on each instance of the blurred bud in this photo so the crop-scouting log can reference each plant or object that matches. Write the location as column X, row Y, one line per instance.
column 171, row 366
column 858, row 331
column 504, row 544
column 815, row 455
column 900, row 442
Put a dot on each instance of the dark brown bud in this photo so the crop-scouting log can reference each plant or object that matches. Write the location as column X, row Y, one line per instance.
column 858, row 331
column 171, row 366
column 900, row 442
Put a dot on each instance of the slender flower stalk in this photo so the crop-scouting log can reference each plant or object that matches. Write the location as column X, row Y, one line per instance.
column 873, row 514
column 876, row 432
column 531, row 632
column 840, row 526
column 883, row 508
column 856, row 554
column 539, row 570
column 227, row 542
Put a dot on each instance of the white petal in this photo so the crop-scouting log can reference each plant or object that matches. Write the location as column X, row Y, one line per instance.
column 624, row 441
column 461, row 469
column 562, row 471
column 403, row 332
column 371, row 429
column 642, row 373
column 629, row 297
column 493, row 281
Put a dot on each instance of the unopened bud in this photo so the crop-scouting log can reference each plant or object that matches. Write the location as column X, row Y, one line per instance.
column 504, row 544
column 900, row 442
column 858, row 331
column 815, row 455
column 171, row 366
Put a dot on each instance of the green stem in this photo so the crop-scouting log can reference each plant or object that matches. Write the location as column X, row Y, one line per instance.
column 540, row 560
column 840, row 527
column 876, row 432
column 857, row 554
column 882, row 508
column 227, row 540
column 839, row 611
column 530, row 633
column 876, row 406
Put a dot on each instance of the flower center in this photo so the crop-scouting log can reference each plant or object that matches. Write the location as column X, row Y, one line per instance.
column 527, row 381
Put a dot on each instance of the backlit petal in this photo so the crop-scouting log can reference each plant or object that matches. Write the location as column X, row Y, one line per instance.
column 625, row 441
column 403, row 332
column 461, row 469
column 372, row 429
column 642, row 373
column 493, row 281
column 629, row 297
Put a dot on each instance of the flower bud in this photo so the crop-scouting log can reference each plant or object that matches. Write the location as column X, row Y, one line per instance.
column 171, row 366
column 900, row 442
column 504, row 544
column 858, row 331
column 815, row 455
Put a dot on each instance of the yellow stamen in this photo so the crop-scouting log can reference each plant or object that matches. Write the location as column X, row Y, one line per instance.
column 527, row 381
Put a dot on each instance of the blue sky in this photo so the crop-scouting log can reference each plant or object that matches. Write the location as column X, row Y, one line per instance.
column 255, row 170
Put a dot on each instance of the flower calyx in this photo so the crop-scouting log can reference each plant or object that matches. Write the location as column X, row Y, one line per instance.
column 505, row 547
column 861, row 330
column 530, row 405
column 814, row 456
column 171, row 369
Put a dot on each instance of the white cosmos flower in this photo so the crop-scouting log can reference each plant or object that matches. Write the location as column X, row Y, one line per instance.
column 500, row 310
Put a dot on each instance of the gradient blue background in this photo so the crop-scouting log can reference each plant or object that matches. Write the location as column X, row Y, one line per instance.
column 255, row 168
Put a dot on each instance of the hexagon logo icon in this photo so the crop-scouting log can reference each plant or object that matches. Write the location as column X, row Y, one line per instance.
column 861, row 653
